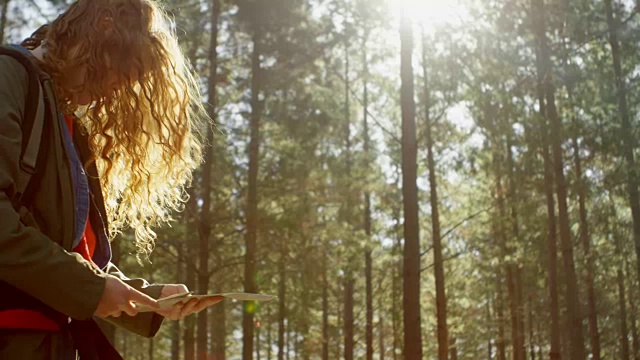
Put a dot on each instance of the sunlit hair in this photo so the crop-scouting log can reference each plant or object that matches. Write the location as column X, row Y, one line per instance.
column 143, row 128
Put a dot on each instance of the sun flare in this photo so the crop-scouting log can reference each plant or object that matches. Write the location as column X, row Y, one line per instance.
column 429, row 14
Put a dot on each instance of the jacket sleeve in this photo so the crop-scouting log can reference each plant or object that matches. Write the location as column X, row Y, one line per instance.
column 29, row 260
column 145, row 324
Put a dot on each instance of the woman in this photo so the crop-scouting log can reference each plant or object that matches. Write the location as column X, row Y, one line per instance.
column 116, row 151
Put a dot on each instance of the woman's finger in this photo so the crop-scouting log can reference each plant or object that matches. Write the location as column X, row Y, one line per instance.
column 187, row 309
column 206, row 302
column 175, row 311
column 129, row 308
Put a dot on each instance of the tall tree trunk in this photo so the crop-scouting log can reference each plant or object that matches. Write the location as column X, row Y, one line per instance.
column 627, row 133
column 635, row 353
column 500, row 344
column 206, row 196
column 367, row 209
column 348, row 318
column 282, row 288
column 325, row 307
column 347, row 211
column 381, row 333
column 190, row 278
column 396, row 315
column 489, row 340
column 577, row 348
column 532, row 352
column 175, row 327
column 411, row 271
column 454, row 348
column 506, row 253
column 622, row 303
column 250, row 285
column 585, row 239
column 552, row 237
column 3, row 19
column 518, row 301
column 438, row 266
column 624, row 333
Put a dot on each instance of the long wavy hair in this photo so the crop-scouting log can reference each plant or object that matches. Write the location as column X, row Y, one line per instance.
column 144, row 128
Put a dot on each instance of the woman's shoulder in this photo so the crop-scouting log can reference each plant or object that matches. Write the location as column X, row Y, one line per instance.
column 14, row 78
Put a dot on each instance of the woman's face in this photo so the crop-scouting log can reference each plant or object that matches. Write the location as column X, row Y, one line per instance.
column 77, row 85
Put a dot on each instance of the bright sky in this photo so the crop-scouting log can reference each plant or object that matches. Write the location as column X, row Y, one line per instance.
column 430, row 14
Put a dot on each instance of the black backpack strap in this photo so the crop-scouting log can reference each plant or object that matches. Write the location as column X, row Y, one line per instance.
column 33, row 122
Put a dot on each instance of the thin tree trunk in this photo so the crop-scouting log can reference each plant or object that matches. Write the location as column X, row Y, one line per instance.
column 150, row 349
column 454, row 348
column 207, row 203
column 532, row 352
column 325, row 308
column 3, row 19
column 489, row 340
column 501, row 346
column 577, row 348
column 269, row 340
column 622, row 303
column 175, row 327
column 441, row 297
column 367, row 209
column 633, row 314
column 348, row 318
column 381, row 332
column 282, row 310
column 190, row 279
column 552, row 238
column 518, row 301
column 626, row 130
column 396, row 286
column 624, row 333
column 585, row 239
column 250, row 285
column 411, row 283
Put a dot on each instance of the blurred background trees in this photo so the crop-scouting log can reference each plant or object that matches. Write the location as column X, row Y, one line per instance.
column 413, row 179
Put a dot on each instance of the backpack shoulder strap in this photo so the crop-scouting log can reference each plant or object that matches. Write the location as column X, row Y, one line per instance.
column 33, row 122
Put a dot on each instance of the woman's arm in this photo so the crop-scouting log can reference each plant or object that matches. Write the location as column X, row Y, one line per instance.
column 29, row 260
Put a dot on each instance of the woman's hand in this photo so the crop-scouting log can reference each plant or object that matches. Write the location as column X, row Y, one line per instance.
column 183, row 309
column 119, row 297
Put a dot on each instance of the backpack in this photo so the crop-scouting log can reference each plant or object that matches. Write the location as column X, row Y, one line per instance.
column 40, row 97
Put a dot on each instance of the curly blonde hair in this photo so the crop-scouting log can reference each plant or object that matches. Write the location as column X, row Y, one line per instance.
column 144, row 130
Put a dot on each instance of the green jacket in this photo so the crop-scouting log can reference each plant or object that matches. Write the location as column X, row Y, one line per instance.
column 39, row 261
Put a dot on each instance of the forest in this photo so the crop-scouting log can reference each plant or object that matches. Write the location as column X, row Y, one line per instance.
column 413, row 179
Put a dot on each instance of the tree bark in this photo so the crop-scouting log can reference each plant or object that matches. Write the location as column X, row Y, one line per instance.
column 438, row 266
column 3, row 19
column 206, row 196
column 282, row 310
column 190, row 278
column 626, row 129
column 411, row 271
column 250, row 285
column 325, row 307
column 175, row 327
column 367, row 210
column 577, row 348
column 348, row 318
column 500, row 344
column 635, row 354
column 585, row 239
column 517, row 296
column 552, row 237
column 381, row 333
